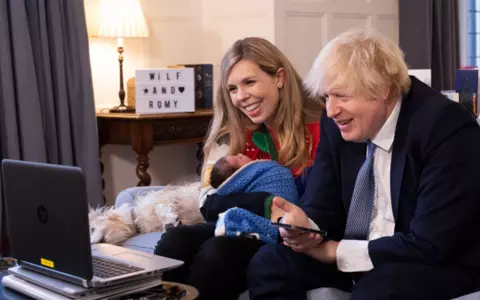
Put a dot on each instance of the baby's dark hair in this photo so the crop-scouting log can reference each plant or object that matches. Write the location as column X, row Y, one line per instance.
column 220, row 172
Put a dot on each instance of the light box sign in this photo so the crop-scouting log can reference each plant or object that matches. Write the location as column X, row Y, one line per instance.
column 164, row 91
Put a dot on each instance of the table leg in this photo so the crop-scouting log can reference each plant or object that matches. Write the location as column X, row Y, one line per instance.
column 102, row 138
column 142, row 166
column 102, row 169
column 142, row 143
column 200, row 158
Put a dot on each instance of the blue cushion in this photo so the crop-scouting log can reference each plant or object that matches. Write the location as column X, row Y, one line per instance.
column 144, row 242
column 128, row 195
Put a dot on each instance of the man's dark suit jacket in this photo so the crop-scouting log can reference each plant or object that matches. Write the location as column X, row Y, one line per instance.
column 435, row 183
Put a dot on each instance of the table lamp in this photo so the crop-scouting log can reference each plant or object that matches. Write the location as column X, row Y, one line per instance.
column 121, row 19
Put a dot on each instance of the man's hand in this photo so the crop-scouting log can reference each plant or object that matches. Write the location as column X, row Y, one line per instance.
column 326, row 252
column 276, row 212
column 294, row 215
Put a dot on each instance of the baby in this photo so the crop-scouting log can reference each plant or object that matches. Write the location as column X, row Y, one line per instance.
column 241, row 174
column 226, row 167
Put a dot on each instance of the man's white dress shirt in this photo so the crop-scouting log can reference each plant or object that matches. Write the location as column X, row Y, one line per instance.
column 352, row 255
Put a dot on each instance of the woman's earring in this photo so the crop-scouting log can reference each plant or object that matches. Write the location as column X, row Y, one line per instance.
column 280, row 86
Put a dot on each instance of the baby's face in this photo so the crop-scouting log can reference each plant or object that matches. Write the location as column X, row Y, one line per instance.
column 238, row 160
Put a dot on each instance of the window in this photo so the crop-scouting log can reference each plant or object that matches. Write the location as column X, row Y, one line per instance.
column 473, row 23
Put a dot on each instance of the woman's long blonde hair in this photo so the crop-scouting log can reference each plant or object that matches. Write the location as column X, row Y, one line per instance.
column 296, row 106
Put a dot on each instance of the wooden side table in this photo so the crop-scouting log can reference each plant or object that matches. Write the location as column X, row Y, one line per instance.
column 142, row 132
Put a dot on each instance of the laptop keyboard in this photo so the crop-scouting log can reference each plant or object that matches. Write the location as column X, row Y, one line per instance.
column 105, row 268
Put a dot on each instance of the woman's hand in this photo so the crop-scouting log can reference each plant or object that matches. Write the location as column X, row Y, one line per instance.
column 294, row 215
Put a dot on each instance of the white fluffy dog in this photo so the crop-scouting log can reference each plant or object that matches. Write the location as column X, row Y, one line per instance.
column 151, row 211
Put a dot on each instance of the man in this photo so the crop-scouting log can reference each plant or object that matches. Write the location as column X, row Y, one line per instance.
column 395, row 184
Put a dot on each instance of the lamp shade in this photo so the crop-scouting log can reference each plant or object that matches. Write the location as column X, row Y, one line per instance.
column 121, row 19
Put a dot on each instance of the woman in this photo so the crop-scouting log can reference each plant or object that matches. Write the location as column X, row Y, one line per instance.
column 259, row 93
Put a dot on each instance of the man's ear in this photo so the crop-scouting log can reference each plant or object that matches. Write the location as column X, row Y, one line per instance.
column 280, row 77
column 386, row 95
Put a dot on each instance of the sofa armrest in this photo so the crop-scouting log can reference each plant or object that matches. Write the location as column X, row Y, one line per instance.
column 128, row 195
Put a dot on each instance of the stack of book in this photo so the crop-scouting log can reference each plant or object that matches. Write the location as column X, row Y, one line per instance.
column 466, row 85
column 203, row 83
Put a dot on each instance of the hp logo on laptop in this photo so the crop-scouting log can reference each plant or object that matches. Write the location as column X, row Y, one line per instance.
column 42, row 214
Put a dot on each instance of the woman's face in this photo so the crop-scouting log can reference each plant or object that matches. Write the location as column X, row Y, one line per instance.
column 254, row 92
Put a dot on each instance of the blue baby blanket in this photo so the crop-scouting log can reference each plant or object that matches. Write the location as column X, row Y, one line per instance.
column 262, row 176
column 241, row 222
column 257, row 176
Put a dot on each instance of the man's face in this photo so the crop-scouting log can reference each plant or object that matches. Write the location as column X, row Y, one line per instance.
column 359, row 118
column 238, row 160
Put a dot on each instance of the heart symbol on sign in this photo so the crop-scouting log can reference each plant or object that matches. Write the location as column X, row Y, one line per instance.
column 181, row 89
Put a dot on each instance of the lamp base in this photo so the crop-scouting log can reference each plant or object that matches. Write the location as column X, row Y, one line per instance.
column 122, row 108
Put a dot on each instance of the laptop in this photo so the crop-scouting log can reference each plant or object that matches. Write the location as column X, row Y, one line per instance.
column 47, row 219
column 35, row 291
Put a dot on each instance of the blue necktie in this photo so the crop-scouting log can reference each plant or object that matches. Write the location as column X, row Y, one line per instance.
column 361, row 206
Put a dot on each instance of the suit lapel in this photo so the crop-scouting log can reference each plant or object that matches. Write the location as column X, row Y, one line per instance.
column 396, row 175
column 399, row 151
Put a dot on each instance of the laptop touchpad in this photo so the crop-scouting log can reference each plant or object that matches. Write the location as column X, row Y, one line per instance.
column 134, row 258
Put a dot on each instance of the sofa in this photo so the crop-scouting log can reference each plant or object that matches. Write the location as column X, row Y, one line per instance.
column 147, row 243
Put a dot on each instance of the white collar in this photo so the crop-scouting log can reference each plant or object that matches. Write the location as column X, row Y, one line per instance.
column 384, row 138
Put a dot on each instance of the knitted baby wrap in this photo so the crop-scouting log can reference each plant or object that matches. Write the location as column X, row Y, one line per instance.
column 262, row 176
column 256, row 176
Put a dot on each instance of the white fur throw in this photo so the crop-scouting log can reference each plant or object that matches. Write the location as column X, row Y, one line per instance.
column 152, row 211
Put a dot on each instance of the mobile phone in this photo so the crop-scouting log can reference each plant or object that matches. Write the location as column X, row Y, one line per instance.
column 300, row 228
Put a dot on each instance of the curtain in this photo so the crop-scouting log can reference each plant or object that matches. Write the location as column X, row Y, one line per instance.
column 429, row 37
column 414, row 32
column 47, row 111
column 445, row 43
